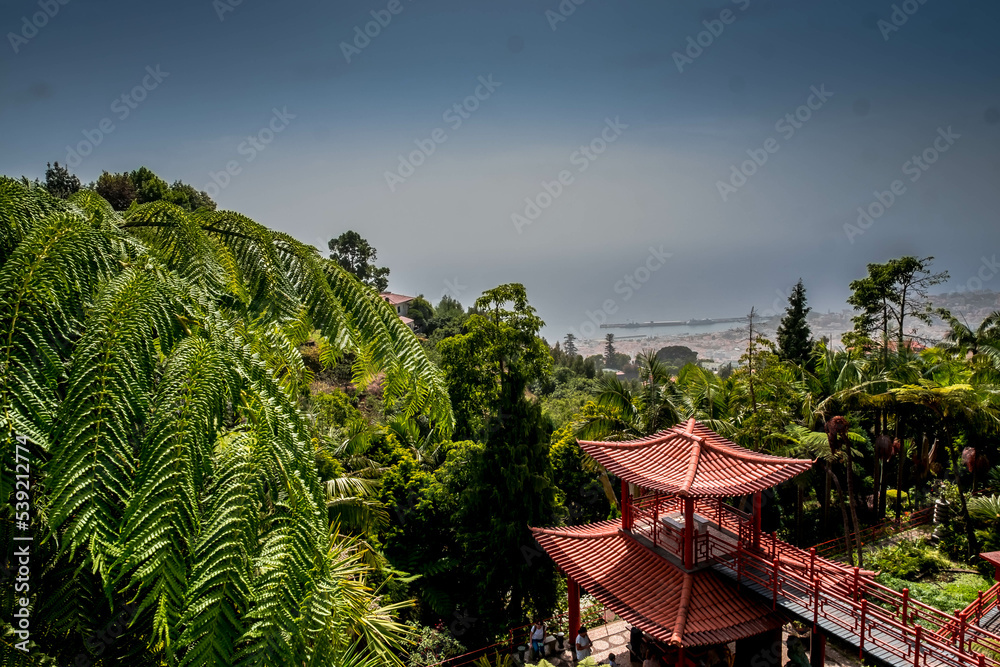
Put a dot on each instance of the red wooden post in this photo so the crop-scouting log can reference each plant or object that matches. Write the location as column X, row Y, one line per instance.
column 980, row 660
column 816, row 607
column 774, row 590
column 573, row 589
column 961, row 630
column 626, row 507
column 739, row 563
column 817, row 649
column 756, row 520
column 718, row 512
column 857, row 577
column 688, row 533
column 916, row 646
column 812, row 562
column 906, row 603
column 680, row 656
column 774, row 543
column 861, row 629
column 979, row 607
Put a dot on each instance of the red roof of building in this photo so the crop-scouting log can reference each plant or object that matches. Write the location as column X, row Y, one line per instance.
column 647, row 590
column 991, row 556
column 396, row 299
column 692, row 460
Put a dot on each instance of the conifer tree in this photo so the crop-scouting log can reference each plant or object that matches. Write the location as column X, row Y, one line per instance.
column 794, row 335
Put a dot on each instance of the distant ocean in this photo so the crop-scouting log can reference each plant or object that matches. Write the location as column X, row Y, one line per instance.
column 554, row 333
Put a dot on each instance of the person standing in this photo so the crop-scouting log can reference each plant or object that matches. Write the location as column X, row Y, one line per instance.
column 538, row 638
column 582, row 644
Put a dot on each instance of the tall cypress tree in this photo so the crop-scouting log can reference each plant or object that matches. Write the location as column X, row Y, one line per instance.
column 794, row 336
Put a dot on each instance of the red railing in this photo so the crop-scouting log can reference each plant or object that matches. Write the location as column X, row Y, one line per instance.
column 973, row 614
column 984, row 603
column 876, row 616
column 837, row 546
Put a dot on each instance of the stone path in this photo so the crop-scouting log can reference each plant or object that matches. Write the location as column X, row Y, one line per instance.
column 611, row 638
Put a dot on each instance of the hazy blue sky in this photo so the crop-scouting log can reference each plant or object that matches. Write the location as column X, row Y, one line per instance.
column 224, row 69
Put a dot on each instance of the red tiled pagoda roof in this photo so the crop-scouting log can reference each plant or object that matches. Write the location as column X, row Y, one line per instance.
column 647, row 590
column 692, row 460
column 991, row 556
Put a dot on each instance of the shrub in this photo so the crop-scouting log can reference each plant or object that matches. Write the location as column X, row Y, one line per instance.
column 890, row 495
column 436, row 644
column 908, row 560
column 333, row 408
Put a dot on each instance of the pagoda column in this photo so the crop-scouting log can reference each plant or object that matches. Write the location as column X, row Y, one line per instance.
column 573, row 589
column 626, row 507
column 688, row 532
column 817, row 649
column 756, row 520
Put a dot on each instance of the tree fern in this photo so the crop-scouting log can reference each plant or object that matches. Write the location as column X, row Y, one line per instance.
column 151, row 359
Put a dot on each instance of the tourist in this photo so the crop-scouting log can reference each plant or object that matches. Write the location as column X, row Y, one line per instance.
column 538, row 638
column 611, row 660
column 650, row 660
column 582, row 644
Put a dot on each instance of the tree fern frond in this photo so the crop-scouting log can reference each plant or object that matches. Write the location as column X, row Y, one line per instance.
column 106, row 406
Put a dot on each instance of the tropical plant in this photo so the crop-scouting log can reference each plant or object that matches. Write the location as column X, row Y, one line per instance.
column 149, row 359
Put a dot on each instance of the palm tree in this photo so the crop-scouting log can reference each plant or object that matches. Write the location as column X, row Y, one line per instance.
column 963, row 339
column 956, row 407
column 148, row 373
column 622, row 413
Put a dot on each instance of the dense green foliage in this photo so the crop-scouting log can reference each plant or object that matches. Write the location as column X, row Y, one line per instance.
column 908, row 560
column 150, row 360
column 142, row 186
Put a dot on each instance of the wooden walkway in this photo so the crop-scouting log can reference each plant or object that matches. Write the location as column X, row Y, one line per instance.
column 884, row 625
column 833, row 622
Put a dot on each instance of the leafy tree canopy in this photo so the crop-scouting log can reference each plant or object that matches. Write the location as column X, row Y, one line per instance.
column 357, row 257
column 59, row 182
column 677, row 356
column 891, row 293
column 143, row 186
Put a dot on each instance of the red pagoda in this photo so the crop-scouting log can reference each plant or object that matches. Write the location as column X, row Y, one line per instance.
column 654, row 569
